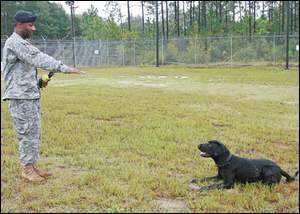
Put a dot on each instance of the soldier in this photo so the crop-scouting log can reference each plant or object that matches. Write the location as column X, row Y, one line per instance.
column 22, row 91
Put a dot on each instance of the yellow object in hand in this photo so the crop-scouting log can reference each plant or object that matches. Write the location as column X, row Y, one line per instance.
column 45, row 78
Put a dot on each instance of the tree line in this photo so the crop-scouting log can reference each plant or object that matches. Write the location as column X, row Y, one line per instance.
column 176, row 19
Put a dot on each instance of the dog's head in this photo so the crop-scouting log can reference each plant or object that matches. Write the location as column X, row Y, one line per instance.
column 212, row 149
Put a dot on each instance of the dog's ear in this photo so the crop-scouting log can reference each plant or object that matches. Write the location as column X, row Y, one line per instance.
column 220, row 149
column 218, row 142
column 215, row 142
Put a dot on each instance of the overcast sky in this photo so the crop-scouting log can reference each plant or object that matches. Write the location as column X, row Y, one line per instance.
column 135, row 8
column 83, row 6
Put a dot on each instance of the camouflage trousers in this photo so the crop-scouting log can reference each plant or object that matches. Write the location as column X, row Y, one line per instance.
column 26, row 115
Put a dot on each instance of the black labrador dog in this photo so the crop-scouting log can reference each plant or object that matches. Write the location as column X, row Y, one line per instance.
column 233, row 169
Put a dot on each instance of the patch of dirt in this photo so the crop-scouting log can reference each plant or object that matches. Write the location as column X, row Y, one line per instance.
column 172, row 205
column 114, row 120
column 51, row 158
column 59, row 169
column 221, row 125
column 251, row 152
column 283, row 146
column 175, row 175
column 290, row 103
column 68, row 171
column 136, row 83
column 72, row 113
column 62, row 209
column 109, row 119
column 280, row 144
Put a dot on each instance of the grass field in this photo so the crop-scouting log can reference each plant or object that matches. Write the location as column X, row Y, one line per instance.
column 125, row 140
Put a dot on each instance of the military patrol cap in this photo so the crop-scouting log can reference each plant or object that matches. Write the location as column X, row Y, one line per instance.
column 24, row 16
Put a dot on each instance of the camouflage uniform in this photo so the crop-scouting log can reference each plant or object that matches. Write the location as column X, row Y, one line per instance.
column 21, row 91
column 27, row 121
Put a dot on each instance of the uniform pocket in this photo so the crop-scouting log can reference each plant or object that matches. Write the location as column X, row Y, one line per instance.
column 23, row 125
column 11, row 58
column 24, row 115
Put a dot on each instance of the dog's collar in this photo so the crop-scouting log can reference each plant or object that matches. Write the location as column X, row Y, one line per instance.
column 226, row 161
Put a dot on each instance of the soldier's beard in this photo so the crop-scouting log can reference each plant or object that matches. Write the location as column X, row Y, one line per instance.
column 25, row 34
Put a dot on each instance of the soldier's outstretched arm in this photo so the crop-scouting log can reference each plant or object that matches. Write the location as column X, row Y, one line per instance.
column 26, row 52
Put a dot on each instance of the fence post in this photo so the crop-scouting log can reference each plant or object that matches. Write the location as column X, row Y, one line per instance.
column 274, row 50
column 45, row 44
column 195, row 50
column 231, row 50
column 123, row 50
column 162, row 51
column 63, row 50
column 99, row 47
column 134, row 52
column 107, row 52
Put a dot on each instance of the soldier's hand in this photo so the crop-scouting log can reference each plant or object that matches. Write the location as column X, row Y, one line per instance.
column 43, row 81
column 44, row 84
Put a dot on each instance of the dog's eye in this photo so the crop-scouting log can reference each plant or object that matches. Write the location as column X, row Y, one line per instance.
column 209, row 145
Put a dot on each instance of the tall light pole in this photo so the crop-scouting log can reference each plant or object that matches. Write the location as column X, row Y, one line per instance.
column 287, row 5
column 157, row 35
column 71, row 4
column 129, row 27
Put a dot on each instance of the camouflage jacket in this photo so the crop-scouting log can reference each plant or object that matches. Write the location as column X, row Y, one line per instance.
column 20, row 61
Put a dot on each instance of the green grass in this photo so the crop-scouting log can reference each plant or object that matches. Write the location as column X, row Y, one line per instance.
column 125, row 140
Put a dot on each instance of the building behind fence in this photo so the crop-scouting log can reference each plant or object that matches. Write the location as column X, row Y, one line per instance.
column 202, row 51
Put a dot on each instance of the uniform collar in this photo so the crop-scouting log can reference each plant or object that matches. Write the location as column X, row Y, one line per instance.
column 16, row 35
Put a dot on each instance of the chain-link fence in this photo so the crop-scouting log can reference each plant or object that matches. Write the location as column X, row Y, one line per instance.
column 198, row 51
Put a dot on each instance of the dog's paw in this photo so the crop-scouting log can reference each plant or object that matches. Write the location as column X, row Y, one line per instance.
column 197, row 188
column 194, row 180
column 203, row 188
column 194, row 187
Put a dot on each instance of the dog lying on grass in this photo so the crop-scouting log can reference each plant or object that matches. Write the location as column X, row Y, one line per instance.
column 233, row 169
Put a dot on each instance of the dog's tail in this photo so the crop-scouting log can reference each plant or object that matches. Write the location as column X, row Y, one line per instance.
column 288, row 177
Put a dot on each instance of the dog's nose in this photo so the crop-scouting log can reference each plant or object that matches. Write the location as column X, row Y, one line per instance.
column 199, row 146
